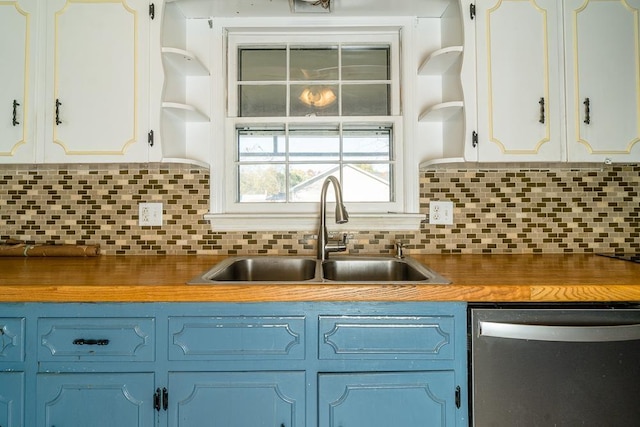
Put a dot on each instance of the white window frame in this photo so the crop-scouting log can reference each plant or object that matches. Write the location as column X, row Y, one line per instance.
column 228, row 215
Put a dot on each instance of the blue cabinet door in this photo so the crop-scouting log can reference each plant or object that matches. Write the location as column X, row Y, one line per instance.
column 411, row 399
column 95, row 400
column 11, row 395
column 237, row 399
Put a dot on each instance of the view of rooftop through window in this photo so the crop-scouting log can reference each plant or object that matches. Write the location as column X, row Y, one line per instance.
column 290, row 164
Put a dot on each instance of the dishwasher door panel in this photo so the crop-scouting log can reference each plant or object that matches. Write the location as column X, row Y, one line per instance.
column 555, row 367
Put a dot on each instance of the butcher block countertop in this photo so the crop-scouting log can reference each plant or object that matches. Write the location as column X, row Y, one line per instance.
column 490, row 278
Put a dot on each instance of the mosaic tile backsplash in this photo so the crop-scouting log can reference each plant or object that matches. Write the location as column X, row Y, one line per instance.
column 533, row 210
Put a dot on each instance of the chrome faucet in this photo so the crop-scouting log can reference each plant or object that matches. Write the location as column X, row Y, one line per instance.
column 324, row 247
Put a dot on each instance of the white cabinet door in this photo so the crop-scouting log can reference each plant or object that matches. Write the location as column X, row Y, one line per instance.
column 519, row 85
column 603, row 79
column 17, row 78
column 97, row 81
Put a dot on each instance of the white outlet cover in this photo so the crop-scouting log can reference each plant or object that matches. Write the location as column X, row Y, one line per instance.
column 150, row 214
column 441, row 212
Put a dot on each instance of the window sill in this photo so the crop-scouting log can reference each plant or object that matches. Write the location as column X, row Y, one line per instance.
column 309, row 222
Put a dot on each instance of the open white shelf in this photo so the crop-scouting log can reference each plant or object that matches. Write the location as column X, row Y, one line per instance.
column 442, row 112
column 184, row 61
column 440, row 61
column 184, row 112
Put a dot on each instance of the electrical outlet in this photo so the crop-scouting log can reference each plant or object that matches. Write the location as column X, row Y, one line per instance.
column 441, row 212
column 150, row 214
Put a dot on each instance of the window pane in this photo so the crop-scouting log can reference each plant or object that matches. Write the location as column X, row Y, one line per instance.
column 262, row 101
column 262, row 64
column 314, row 144
column 365, row 182
column 261, row 145
column 314, row 63
column 314, row 100
column 365, row 63
column 365, row 100
column 367, row 144
column 306, row 181
column 262, row 183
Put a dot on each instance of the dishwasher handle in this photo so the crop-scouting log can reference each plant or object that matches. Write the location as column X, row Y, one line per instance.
column 559, row 333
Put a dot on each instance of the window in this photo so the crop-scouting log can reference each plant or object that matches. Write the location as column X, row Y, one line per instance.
column 305, row 104
column 288, row 164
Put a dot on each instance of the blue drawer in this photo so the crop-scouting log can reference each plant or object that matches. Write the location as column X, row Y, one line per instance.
column 386, row 337
column 96, row 339
column 11, row 339
column 236, row 338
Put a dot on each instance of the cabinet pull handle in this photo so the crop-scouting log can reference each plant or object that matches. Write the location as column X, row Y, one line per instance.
column 542, row 114
column 82, row 341
column 157, row 399
column 15, row 121
column 165, row 398
column 587, row 111
column 58, row 104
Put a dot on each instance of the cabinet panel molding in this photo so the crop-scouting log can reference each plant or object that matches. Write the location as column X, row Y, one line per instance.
column 101, row 400
column 12, row 339
column 18, row 81
column 11, row 399
column 384, row 337
column 603, row 75
column 96, row 339
column 231, row 337
column 384, row 399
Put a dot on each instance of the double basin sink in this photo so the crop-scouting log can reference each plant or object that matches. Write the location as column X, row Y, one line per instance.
column 347, row 270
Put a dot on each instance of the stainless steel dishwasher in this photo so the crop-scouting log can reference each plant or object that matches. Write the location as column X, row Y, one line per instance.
column 555, row 366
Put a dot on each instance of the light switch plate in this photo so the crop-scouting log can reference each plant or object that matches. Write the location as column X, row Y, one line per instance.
column 150, row 214
column 441, row 212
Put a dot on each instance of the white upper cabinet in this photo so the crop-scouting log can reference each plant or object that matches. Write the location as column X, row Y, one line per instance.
column 519, row 80
column 96, row 99
column 603, row 79
column 17, row 81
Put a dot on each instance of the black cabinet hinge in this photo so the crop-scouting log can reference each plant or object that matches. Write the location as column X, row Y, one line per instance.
column 458, row 397
column 150, row 138
column 474, row 139
column 152, row 11
column 472, row 11
column 161, row 399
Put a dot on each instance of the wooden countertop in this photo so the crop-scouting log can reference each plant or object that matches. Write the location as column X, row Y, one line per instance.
column 494, row 278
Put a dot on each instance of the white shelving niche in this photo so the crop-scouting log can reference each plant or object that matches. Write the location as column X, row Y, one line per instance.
column 446, row 113
column 185, row 124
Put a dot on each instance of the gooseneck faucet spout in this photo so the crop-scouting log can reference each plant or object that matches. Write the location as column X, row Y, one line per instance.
column 324, row 247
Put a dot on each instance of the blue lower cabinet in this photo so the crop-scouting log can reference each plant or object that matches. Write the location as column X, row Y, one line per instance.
column 233, row 365
column 11, row 399
column 96, row 400
column 237, row 399
column 408, row 399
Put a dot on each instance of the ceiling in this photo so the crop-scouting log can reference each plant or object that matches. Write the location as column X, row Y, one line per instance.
column 339, row 8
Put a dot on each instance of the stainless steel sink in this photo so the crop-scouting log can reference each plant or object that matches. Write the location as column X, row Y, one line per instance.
column 379, row 270
column 281, row 269
column 261, row 269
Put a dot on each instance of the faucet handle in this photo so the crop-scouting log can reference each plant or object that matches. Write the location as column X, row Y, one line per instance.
column 337, row 245
column 399, row 250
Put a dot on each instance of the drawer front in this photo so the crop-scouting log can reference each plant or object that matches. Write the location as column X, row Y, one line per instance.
column 386, row 337
column 11, row 339
column 96, row 339
column 236, row 338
